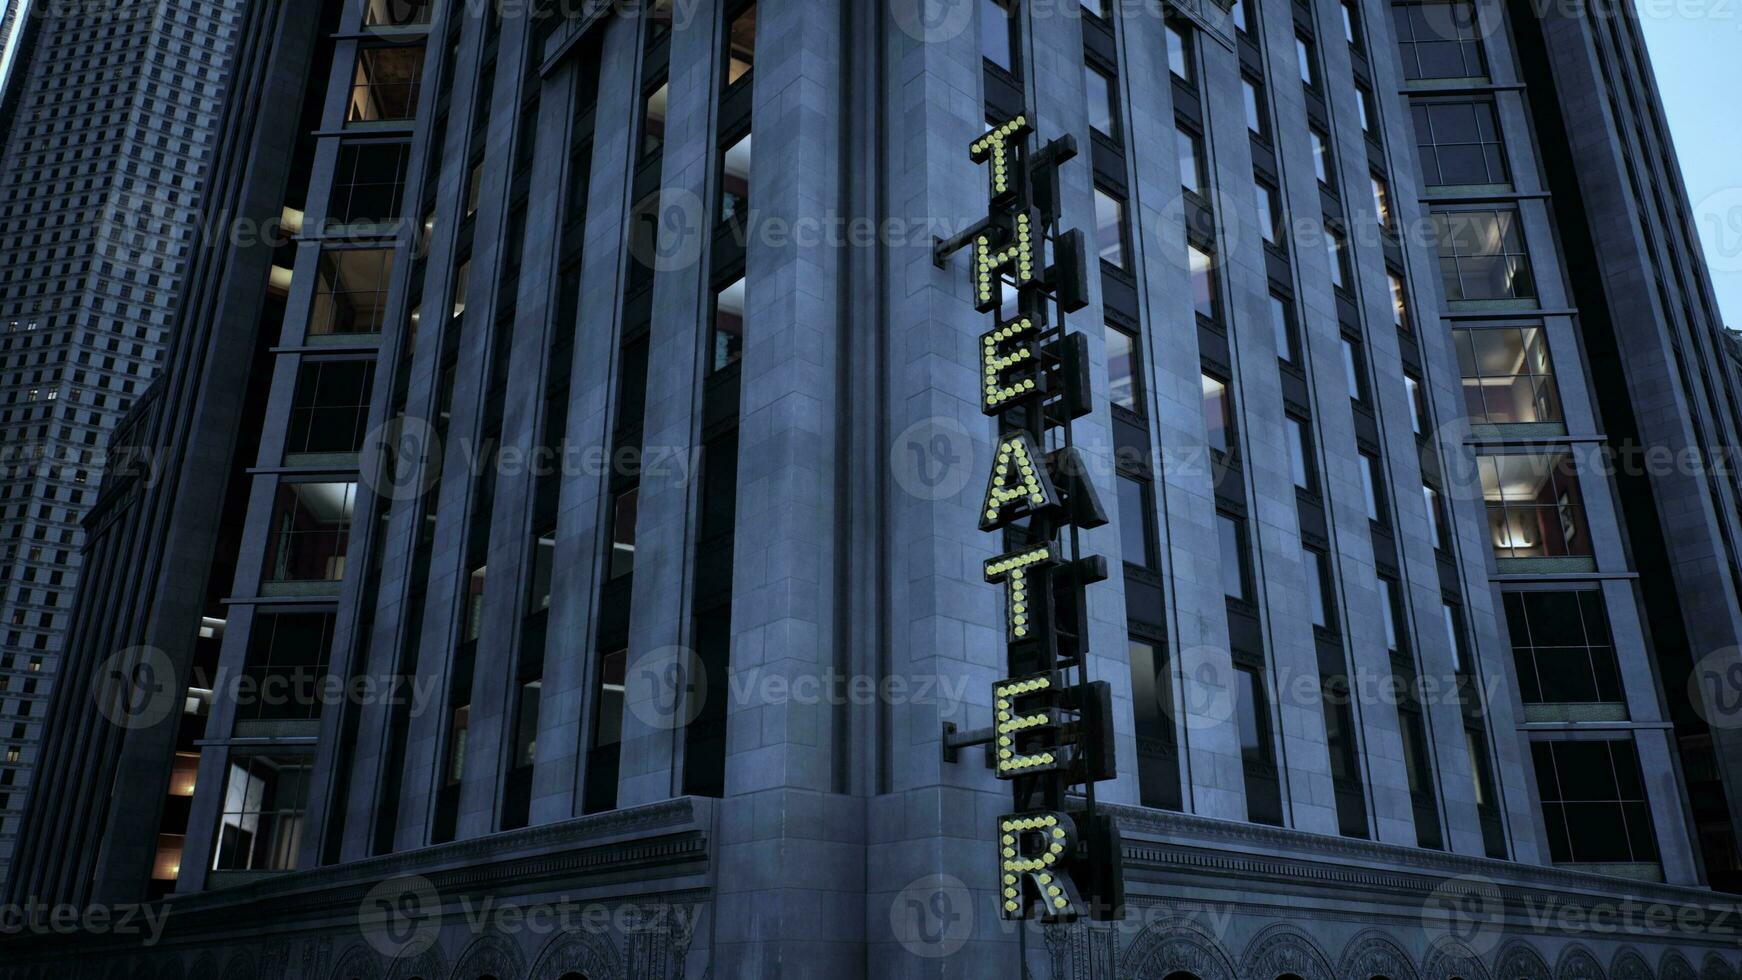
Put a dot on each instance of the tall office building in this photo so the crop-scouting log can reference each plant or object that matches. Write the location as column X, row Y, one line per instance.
column 561, row 553
column 109, row 110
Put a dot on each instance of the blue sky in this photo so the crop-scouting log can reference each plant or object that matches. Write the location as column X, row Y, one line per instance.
column 1696, row 50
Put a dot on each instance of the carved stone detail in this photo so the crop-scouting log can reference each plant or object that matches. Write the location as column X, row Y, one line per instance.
column 1373, row 954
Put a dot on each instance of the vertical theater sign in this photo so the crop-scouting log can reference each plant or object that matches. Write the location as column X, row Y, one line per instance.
column 1052, row 737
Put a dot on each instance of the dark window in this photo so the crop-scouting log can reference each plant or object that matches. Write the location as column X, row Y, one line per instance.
column 351, row 292
column 1251, row 714
column 653, row 120
column 261, row 826
column 1000, row 34
column 623, row 513
column 1110, row 228
column 1482, row 255
column 287, row 661
column 1282, row 326
column 1231, row 541
column 1158, row 774
column 1439, row 40
column 386, row 84
column 1317, row 595
column 369, row 184
column 1103, row 101
column 1535, row 509
column 735, row 183
column 727, row 342
column 1269, row 208
column 1372, row 494
column 1134, row 522
column 1300, row 452
column 311, row 526
column 1124, row 374
column 397, row 13
column 1218, row 419
column 330, row 413
column 1561, row 643
column 1507, row 376
column 1593, row 802
column 1459, row 143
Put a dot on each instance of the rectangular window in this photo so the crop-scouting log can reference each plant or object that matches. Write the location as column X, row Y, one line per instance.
column 1269, row 208
column 1321, row 154
column 260, row 826
column 1459, row 144
column 1317, row 596
column 1300, row 452
column 397, row 13
column 1562, row 647
column 385, row 86
column 1252, row 93
column 1593, row 802
column 286, row 667
column 1399, row 301
column 1218, row 420
column 1482, row 255
column 1110, row 228
column 1354, row 378
column 1439, row 40
column 1382, row 202
column 1454, row 635
column 1369, row 111
column 474, row 609
column 1153, row 713
column 741, row 45
column 1103, row 104
column 543, row 569
column 1304, row 60
column 653, row 112
column 330, row 411
column 1436, row 516
column 1535, row 509
column 1134, row 522
column 1124, row 377
column 351, row 292
column 311, row 527
column 1203, row 277
column 369, row 184
column 1371, row 494
column 1282, row 326
column 1000, row 37
column 727, row 341
column 1350, row 20
column 1337, row 253
column 1507, row 378
column 735, row 184
column 623, row 513
column 1390, row 614
column 1231, row 537
column 1241, row 16
column 1191, row 159
column 1417, row 408
column 1179, row 52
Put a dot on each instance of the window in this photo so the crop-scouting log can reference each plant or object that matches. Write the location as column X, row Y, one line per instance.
column 1321, row 154
column 474, row 607
column 330, row 412
column 1337, row 254
column 385, row 86
column 1350, row 19
column 1250, row 714
column 1241, row 17
column 1124, row 380
column 1158, row 775
column 1454, row 635
column 999, row 34
column 1103, row 107
column 1506, row 375
column 654, row 108
column 1353, row 377
column 286, row 667
column 1179, row 52
column 1417, row 407
column 369, row 184
column 735, row 184
column 1439, row 40
column 1481, row 255
column 1369, row 111
column 1303, row 56
column 1282, row 326
column 1110, row 228
column 1134, row 522
column 1381, row 202
column 1459, row 144
column 1203, row 276
column 1300, row 452
column 1371, row 495
column 1399, row 301
column 397, row 13
column 543, row 569
column 1191, row 160
column 1562, row 646
column 623, row 513
column 727, row 342
column 1231, row 538
column 741, row 45
column 474, row 188
column 1535, row 509
column 1593, row 802
column 1269, row 207
column 1390, row 614
column 1253, row 94
column 351, row 292
column 1436, row 516
column 1218, row 421
column 311, row 525
column 260, row 828
column 1318, row 598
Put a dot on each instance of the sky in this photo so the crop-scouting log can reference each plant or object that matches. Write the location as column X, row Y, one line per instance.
column 1696, row 51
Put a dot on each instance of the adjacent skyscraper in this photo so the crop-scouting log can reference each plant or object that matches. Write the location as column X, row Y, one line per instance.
column 578, row 506
column 112, row 108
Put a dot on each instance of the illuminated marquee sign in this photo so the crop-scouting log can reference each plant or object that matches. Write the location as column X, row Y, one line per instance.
column 1051, row 736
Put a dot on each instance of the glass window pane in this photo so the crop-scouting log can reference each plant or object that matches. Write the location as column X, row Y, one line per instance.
column 1232, row 539
column 1179, row 52
column 1103, row 111
column 1123, row 387
column 1217, row 423
column 741, row 45
column 1203, row 282
column 1110, row 228
column 1134, row 522
column 998, row 34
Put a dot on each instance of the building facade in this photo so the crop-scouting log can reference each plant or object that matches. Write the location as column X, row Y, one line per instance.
column 553, row 548
column 107, row 112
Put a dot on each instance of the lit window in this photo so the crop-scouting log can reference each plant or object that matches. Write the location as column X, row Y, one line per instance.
column 653, row 114
column 1218, row 421
column 1482, row 255
column 1381, row 201
column 261, row 825
column 1399, row 301
column 385, row 85
column 1506, row 375
column 728, row 328
column 311, row 526
column 741, row 45
column 1535, row 508
column 1203, row 279
column 351, row 292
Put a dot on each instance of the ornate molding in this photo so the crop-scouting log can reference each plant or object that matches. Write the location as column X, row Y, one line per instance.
column 1374, row 954
column 1629, row 965
column 1518, row 961
column 589, row 954
column 1449, row 960
column 357, row 962
column 1675, row 966
column 1171, row 945
column 491, row 955
column 430, row 964
column 1282, row 949
column 1715, row 967
column 1577, row 963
